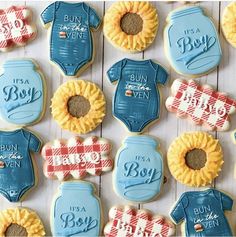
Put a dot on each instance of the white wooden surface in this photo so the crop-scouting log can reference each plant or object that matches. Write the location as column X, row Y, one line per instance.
column 166, row 129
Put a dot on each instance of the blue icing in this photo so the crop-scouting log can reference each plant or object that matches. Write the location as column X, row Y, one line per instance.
column 138, row 174
column 76, row 211
column 205, row 209
column 137, row 101
column 71, row 44
column 21, row 92
column 16, row 168
column 191, row 41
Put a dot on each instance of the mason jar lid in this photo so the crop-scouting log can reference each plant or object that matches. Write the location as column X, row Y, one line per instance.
column 18, row 63
column 185, row 11
column 77, row 185
column 145, row 140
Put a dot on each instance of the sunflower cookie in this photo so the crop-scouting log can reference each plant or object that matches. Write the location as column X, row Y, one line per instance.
column 195, row 159
column 228, row 23
column 20, row 222
column 202, row 213
column 131, row 26
column 78, row 106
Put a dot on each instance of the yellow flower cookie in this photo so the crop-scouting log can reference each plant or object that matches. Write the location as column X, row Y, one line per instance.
column 229, row 23
column 195, row 159
column 131, row 26
column 20, row 222
column 78, row 106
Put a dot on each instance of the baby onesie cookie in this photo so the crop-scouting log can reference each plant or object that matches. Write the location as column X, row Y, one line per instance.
column 195, row 158
column 20, row 222
column 201, row 104
column 76, row 157
column 233, row 136
column 127, row 221
column 76, row 211
column 202, row 213
column 22, row 92
column 17, row 175
column 191, row 42
column 131, row 26
column 228, row 23
column 16, row 27
column 138, row 173
column 71, row 37
column 137, row 101
column 78, row 106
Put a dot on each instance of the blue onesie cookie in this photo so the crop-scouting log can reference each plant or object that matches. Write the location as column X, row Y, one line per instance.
column 203, row 213
column 17, row 174
column 137, row 101
column 71, row 43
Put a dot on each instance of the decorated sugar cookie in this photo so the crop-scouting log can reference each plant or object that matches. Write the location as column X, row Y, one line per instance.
column 20, row 222
column 78, row 106
column 228, row 23
column 76, row 211
column 17, row 175
column 202, row 213
column 195, row 158
column 138, row 173
column 16, row 27
column 71, row 40
column 201, row 104
column 22, row 92
column 191, row 42
column 131, row 25
column 76, row 157
column 137, row 101
column 127, row 221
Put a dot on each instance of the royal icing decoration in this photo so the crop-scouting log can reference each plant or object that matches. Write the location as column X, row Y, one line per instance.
column 138, row 173
column 76, row 158
column 17, row 174
column 129, row 222
column 21, row 92
column 191, row 41
column 137, row 101
column 70, row 26
column 76, row 211
column 201, row 103
column 203, row 213
column 16, row 27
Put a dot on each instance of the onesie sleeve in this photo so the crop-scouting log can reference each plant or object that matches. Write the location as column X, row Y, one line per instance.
column 161, row 75
column 94, row 20
column 177, row 213
column 34, row 143
column 48, row 14
column 227, row 202
column 114, row 73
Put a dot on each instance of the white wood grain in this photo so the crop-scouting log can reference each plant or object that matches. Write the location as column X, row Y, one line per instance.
column 165, row 130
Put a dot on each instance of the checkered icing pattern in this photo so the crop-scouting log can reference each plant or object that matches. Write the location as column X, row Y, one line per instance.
column 201, row 103
column 15, row 27
column 129, row 222
column 76, row 158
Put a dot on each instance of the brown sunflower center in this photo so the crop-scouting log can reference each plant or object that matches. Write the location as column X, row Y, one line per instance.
column 15, row 230
column 131, row 23
column 78, row 106
column 196, row 159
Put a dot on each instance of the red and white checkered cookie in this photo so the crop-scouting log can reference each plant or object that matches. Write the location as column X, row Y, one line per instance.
column 76, row 158
column 202, row 104
column 127, row 221
column 16, row 27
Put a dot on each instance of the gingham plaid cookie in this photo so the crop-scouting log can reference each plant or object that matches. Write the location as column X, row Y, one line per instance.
column 76, row 158
column 16, row 27
column 127, row 221
column 202, row 104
